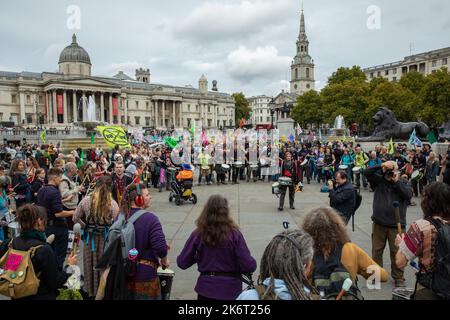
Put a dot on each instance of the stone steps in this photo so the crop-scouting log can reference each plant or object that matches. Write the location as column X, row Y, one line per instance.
column 83, row 143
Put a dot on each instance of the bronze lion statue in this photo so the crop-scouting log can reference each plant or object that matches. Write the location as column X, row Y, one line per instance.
column 387, row 126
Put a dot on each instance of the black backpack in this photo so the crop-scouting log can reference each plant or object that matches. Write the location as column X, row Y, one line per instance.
column 329, row 275
column 438, row 281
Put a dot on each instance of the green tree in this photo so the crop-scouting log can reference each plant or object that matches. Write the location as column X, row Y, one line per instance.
column 436, row 98
column 348, row 98
column 414, row 81
column 308, row 110
column 242, row 110
column 343, row 74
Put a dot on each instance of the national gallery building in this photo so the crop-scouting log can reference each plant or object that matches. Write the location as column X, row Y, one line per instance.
column 59, row 99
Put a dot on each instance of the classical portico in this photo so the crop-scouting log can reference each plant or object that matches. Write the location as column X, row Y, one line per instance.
column 55, row 99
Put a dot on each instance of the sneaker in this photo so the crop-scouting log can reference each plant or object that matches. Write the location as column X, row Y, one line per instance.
column 399, row 283
column 280, row 209
column 292, row 208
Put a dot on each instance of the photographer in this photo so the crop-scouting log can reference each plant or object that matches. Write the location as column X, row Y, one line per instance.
column 388, row 187
column 342, row 196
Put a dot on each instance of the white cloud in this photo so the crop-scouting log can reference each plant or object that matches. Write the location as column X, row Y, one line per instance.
column 128, row 67
column 214, row 21
column 245, row 64
column 201, row 67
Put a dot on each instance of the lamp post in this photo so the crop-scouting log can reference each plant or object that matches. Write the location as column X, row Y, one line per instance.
column 272, row 111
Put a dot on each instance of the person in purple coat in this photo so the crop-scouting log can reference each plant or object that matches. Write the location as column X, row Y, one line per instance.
column 220, row 252
column 151, row 245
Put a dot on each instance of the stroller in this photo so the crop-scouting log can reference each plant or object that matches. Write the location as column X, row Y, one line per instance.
column 181, row 190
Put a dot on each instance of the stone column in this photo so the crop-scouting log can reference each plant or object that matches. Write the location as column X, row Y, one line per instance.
column 83, row 107
column 48, row 108
column 75, row 106
column 22, row 108
column 173, row 114
column 180, row 115
column 163, row 114
column 111, row 117
column 55, row 107
column 102, row 107
column 65, row 109
column 156, row 115
column 119, row 106
column 125, row 104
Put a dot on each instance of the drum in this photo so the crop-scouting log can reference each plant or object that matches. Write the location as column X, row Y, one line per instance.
column 285, row 181
column 238, row 164
column 165, row 280
column 402, row 293
column 276, row 188
column 304, row 163
column 225, row 167
column 356, row 170
column 343, row 167
column 205, row 167
column 416, row 175
column 14, row 229
column 172, row 170
column 254, row 167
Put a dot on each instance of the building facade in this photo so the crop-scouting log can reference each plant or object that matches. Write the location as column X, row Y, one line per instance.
column 425, row 63
column 302, row 67
column 260, row 114
column 56, row 99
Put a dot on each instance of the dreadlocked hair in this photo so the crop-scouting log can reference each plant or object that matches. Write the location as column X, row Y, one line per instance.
column 327, row 228
column 101, row 200
column 283, row 260
column 214, row 223
column 28, row 216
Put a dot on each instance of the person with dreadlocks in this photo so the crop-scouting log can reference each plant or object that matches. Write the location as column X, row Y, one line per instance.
column 95, row 213
column 284, row 269
column 220, row 252
column 335, row 257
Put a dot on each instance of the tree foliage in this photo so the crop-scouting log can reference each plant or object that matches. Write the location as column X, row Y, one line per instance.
column 242, row 107
column 414, row 98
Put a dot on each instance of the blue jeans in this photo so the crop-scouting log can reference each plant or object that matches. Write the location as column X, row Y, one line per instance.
column 60, row 244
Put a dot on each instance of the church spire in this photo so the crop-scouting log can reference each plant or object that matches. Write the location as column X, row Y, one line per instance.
column 302, row 35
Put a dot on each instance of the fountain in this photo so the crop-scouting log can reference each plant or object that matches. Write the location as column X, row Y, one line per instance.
column 339, row 130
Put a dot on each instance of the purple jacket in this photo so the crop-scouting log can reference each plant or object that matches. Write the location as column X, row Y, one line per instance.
column 232, row 255
column 150, row 243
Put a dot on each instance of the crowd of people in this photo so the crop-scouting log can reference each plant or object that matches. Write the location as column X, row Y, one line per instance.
column 47, row 192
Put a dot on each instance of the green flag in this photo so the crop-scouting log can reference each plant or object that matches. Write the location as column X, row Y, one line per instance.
column 81, row 161
column 193, row 128
column 431, row 137
column 172, row 142
column 391, row 147
column 43, row 136
column 93, row 138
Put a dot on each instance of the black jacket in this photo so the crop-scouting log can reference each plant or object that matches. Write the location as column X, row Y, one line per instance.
column 35, row 187
column 343, row 199
column 45, row 266
column 386, row 192
column 128, row 181
column 20, row 183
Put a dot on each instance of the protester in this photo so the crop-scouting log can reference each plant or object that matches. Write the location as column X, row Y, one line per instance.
column 120, row 182
column 431, row 168
column 38, row 183
column 342, row 196
column 150, row 243
column 284, row 269
column 95, row 213
column 421, row 240
column 32, row 221
column 220, row 252
column 20, row 183
column 49, row 197
column 388, row 188
column 335, row 256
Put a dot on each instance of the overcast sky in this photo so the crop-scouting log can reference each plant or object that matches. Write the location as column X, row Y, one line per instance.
column 246, row 45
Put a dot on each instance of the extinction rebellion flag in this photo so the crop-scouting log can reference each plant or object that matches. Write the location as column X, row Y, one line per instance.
column 114, row 136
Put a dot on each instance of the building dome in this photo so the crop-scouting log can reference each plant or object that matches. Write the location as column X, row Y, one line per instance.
column 74, row 53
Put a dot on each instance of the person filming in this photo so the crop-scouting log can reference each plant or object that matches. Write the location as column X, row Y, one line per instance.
column 388, row 188
column 342, row 196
